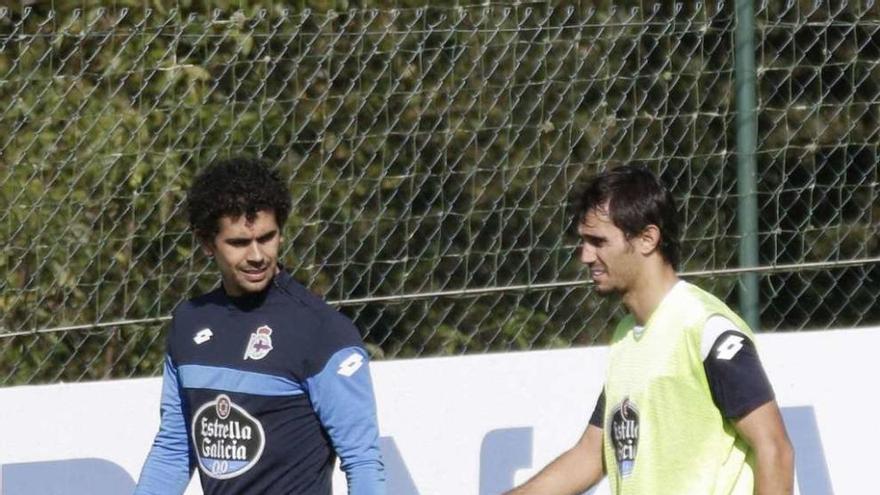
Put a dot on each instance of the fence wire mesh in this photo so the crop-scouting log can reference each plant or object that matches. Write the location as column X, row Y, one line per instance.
column 430, row 154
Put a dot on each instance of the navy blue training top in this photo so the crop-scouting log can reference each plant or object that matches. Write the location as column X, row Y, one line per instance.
column 260, row 393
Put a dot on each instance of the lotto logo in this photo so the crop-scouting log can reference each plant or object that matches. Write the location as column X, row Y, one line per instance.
column 729, row 347
column 203, row 336
column 350, row 365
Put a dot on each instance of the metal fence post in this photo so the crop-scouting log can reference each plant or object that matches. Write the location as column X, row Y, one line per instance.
column 746, row 142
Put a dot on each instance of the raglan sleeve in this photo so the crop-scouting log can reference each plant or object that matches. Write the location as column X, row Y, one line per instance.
column 167, row 469
column 342, row 397
column 737, row 380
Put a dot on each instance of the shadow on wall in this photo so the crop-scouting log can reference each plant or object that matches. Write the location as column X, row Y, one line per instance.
column 503, row 452
column 65, row 477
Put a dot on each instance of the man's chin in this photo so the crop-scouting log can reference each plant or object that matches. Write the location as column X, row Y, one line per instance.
column 254, row 287
column 247, row 287
column 604, row 290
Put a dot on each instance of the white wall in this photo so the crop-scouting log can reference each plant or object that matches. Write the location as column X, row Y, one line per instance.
column 463, row 425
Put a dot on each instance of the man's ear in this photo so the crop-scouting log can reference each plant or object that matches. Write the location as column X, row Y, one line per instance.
column 649, row 239
column 206, row 243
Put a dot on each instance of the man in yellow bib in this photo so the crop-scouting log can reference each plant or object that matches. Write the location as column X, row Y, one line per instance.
column 687, row 408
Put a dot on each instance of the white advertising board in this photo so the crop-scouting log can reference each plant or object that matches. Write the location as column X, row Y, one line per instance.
column 462, row 425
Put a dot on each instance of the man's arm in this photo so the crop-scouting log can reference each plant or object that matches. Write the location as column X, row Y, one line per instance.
column 571, row 473
column 765, row 433
column 342, row 396
column 578, row 468
column 743, row 394
column 167, row 468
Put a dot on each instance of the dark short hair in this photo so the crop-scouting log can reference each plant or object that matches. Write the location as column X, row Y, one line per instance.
column 235, row 187
column 636, row 199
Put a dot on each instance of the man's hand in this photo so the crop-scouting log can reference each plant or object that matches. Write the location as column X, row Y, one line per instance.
column 573, row 472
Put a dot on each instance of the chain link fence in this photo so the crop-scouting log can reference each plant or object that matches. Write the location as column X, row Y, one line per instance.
column 430, row 154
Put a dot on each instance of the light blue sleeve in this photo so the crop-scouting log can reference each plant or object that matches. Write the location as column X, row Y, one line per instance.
column 167, row 469
column 342, row 396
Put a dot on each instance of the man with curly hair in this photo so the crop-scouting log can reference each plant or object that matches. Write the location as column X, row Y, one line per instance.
column 264, row 383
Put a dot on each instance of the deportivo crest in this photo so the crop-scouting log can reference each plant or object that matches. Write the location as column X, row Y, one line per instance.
column 228, row 441
column 259, row 344
column 624, row 434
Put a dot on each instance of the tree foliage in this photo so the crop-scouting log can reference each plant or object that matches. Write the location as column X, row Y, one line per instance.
column 426, row 150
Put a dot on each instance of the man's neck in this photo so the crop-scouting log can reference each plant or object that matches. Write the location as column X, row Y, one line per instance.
column 643, row 299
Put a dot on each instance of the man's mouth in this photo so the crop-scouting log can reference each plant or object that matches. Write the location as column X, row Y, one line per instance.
column 255, row 274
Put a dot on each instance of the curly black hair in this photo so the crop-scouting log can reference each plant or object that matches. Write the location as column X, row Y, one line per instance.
column 234, row 187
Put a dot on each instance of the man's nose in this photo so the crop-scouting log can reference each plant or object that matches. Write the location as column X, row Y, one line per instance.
column 255, row 253
column 588, row 254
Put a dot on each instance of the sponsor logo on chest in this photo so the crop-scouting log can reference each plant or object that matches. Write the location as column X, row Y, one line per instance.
column 624, row 432
column 259, row 344
column 228, row 441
